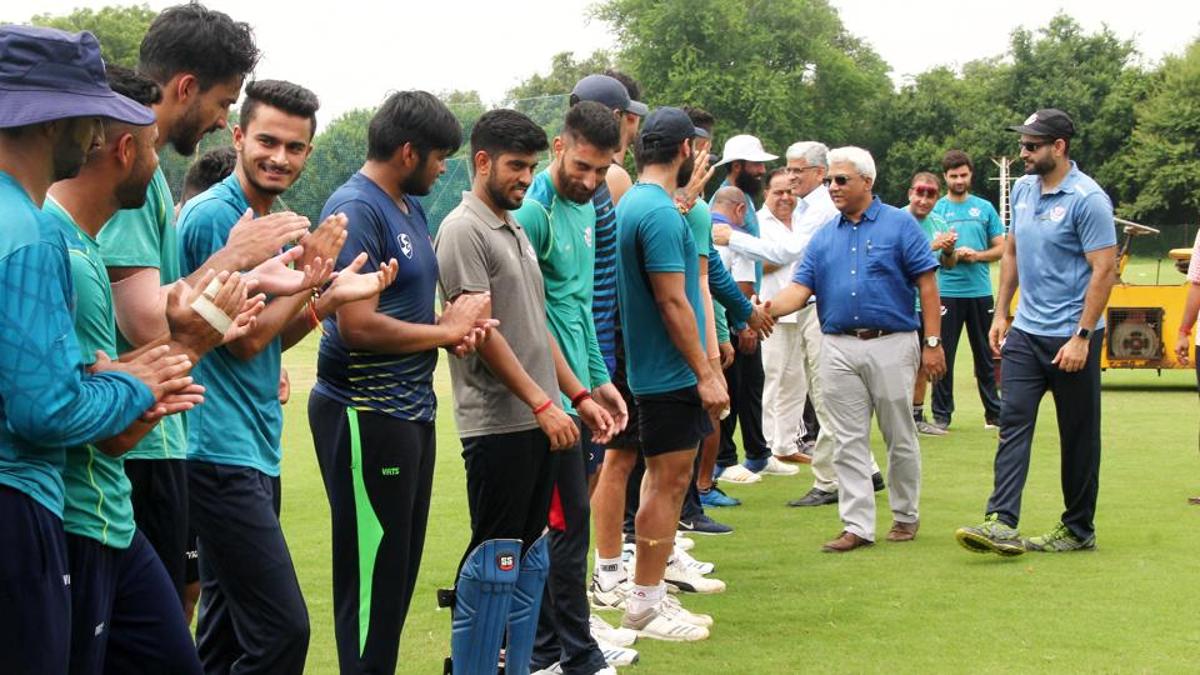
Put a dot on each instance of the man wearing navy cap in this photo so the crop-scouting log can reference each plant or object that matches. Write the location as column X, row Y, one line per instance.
column 658, row 283
column 53, row 96
column 1054, row 342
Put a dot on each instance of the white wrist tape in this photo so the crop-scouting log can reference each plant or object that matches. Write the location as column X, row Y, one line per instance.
column 212, row 314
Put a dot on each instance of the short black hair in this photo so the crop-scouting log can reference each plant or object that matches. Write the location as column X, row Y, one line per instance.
column 631, row 85
column 956, row 158
column 771, row 175
column 416, row 117
column 504, row 130
column 129, row 84
column 211, row 168
column 655, row 153
column 289, row 97
column 700, row 118
column 594, row 124
column 194, row 39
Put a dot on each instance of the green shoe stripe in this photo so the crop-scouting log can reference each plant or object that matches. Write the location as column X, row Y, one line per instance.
column 368, row 529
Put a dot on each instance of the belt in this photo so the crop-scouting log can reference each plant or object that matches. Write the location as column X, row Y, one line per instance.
column 866, row 333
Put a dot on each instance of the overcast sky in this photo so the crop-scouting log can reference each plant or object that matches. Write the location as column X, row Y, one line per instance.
column 352, row 52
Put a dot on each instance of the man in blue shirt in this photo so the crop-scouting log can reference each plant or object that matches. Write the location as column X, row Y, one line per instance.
column 1063, row 224
column 48, row 400
column 252, row 615
column 863, row 267
column 966, row 287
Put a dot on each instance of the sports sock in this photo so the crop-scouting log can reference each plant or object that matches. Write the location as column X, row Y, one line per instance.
column 918, row 412
column 643, row 598
column 609, row 572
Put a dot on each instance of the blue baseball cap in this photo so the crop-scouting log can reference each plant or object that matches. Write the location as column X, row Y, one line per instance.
column 667, row 126
column 48, row 74
column 610, row 92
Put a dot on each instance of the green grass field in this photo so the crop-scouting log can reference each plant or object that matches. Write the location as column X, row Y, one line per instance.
column 927, row 606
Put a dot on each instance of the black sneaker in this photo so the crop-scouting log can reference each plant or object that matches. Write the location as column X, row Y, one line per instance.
column 702, row 524
column 815, row 497
column 877, row 481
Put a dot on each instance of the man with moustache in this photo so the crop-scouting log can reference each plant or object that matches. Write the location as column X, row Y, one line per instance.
column 922, row 196
column 864, row 267
column 124, row 613
column 508, row 397
column 1054, row 341
column 966, row 288
column 48, row 400
column 746, row 159
column 198, row 57
column 373, row 407
column 252, row 615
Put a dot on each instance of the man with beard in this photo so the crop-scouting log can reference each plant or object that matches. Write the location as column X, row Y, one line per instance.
column 1054, row 342
column 746, row 159
column 198, row 57
column 509, row 399
column 372, row 409
column 966, row 288
column 124, row 615
column 669, row 374
column 558, row 217
column 48, row 400
column 922, row 196
column 252, row 615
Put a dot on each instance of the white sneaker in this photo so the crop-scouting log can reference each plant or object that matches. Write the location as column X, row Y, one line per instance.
column 679, row 576
column 602, row 632
column 555, row 669
column 683, row 543
column 775, row 467
column 740, row 475
column 606, row 670
column 612, row 599
column 688, row 561
column 661, row 623
column 618, row 656
column 671, row 603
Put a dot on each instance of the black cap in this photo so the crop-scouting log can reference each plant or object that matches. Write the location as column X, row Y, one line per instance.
column 667, row 126
column 610, row 92
column 1050, row 122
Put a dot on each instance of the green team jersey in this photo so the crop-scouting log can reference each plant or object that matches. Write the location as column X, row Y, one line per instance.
column 146, row 237
column 98, row 502
column 562, row 233
column 931, row 225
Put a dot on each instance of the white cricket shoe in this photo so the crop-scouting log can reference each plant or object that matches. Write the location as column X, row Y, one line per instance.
column 602, row 632
column 618, row 656
column 688, row 561
column 671, row 604
column 661, row 623
column 682, row 578
column 611, row 599
column 775, row 467
column 739, row 475
column 683, row 543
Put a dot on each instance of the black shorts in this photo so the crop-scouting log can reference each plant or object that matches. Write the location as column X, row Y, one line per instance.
column 629, row 438
column 671, row 421
column 160, row 507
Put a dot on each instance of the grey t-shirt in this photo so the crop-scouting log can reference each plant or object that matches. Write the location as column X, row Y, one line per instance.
column 478, row 252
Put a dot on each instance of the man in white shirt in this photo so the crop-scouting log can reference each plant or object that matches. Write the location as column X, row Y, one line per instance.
column 806, row 163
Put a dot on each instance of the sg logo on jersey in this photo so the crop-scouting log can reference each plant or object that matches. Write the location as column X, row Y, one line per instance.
column 406, row 246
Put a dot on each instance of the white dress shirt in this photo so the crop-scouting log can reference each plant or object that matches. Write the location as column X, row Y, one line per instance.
column 772, row 231
column 812, row 211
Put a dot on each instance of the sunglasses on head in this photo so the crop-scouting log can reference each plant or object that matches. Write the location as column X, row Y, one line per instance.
column 924, row 191
column 1033, row 146
column 839, row 179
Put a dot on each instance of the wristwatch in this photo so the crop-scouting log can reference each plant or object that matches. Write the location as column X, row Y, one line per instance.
column 933, row 342
column 1082, row 332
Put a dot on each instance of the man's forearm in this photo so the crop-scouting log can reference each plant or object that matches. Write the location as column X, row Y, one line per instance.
column 568, row 383
column 931, row 304
column 793, row 297
column 1098, row 291
column 777, row 253
column 1009, row 280
column 503, row 363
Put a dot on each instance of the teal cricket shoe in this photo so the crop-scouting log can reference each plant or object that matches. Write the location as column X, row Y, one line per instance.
column 1060, row 540
column 992, row 536
column 716, row 497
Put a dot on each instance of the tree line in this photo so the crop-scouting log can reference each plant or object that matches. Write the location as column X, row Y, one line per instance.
column 787, row 70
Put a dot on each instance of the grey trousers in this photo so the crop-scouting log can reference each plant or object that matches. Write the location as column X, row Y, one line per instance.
column 861, row 378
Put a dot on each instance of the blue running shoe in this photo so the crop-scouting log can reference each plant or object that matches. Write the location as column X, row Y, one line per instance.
column 717, row 498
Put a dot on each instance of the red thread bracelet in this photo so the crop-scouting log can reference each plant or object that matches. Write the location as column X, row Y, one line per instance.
column 578, row 398
column 543, row 407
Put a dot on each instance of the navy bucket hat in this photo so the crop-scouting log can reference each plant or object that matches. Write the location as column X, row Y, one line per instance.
column 48, row 74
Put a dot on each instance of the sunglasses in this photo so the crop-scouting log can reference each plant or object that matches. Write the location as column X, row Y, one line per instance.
column 924, row 191
column 1033, row 146
column 839, row 179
